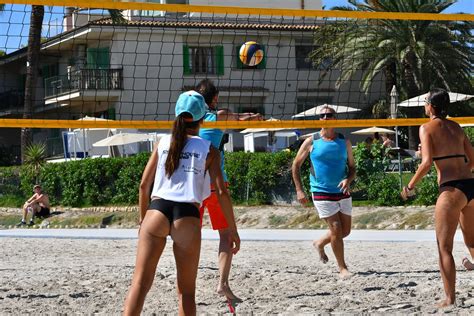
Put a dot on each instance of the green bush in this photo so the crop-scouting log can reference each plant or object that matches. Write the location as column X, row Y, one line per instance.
column 470, row 134
column 253, row 177
column 427, row 190
column 385, row 190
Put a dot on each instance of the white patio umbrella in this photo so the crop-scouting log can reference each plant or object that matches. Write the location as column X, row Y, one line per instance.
column 372, row 130
column 315, row 111
column 259, row 130
column 420, row 100
column 122, row 139
column 271, row 133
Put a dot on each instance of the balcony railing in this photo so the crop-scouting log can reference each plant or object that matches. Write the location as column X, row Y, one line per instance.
column 84, row 79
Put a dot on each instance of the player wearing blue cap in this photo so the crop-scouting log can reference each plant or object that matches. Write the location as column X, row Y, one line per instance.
column 180, row 171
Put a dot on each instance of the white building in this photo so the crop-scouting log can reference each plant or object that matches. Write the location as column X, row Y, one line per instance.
column 136, row 71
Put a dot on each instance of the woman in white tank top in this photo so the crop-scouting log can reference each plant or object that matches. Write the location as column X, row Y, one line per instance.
column 180, row 170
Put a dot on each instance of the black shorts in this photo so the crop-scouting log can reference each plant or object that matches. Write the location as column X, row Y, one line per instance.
column 465, row 185
column 174, row 210
column 43, row 212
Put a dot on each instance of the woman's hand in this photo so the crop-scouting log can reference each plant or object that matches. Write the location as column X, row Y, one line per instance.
column 406, row 193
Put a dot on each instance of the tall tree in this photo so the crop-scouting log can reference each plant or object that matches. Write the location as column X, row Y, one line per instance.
column 413, row 54
column 33, row 63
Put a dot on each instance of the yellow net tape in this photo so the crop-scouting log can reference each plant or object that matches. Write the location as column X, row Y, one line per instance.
column 34, row 123
column 122, row 5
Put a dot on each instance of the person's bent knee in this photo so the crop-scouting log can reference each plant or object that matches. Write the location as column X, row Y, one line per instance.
column 346, row 232
column 445, row 248
column 336, row 229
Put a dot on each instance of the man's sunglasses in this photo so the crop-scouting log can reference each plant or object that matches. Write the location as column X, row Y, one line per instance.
column 326, row 115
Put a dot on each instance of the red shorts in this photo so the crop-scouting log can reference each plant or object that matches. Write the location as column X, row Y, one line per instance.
column 214, row 209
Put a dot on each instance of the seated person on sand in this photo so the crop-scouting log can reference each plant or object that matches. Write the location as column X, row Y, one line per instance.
column 38, row 205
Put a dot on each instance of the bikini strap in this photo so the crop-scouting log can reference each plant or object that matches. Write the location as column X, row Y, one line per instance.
column 451, row 156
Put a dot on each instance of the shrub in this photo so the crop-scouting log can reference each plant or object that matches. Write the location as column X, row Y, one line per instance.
column 385, row 190
column 427, row 190
column 470, row 134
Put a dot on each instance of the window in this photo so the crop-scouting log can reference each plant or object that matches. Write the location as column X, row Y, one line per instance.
column 203, row 60
column 303, row 61
column 306, row 103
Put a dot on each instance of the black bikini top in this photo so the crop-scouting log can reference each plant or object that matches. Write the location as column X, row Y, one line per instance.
column 451, row 156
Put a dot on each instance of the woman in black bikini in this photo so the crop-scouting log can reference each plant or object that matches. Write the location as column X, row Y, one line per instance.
column 444, row 142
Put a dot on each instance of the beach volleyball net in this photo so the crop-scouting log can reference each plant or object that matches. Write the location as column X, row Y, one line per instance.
column 127, row 62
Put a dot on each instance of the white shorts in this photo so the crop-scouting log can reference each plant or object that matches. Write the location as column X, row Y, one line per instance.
column 329, row 208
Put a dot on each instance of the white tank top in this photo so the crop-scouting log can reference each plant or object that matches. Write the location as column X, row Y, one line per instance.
column 190, row 182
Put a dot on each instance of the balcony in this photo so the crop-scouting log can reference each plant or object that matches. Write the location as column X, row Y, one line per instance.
column 84, row 85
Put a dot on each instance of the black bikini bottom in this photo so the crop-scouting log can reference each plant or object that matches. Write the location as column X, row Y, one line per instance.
column 174, row 210
column 465, row 185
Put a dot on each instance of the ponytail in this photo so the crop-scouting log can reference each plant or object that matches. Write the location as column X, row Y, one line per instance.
column 179, row 137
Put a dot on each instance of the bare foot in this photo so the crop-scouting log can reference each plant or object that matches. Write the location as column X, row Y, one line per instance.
column 467, row 264
column 320, row 249
column 224, row 290
column 344, row 274
column 445, row 303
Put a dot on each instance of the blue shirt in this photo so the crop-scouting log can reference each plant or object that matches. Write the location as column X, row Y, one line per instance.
column 214, row 135
column 329, row 164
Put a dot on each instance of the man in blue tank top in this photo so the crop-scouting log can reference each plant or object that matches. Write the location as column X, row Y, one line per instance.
column 332, row 171
column 218, row 221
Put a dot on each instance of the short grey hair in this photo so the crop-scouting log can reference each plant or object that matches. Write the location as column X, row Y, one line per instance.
column 327, row 107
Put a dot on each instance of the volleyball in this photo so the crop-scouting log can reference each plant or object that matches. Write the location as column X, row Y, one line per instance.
column 251, row 53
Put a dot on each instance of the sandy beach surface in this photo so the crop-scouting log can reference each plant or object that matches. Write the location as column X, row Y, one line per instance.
column 84, row 276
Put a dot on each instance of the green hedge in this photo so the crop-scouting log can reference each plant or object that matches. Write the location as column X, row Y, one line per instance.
column 256, row 178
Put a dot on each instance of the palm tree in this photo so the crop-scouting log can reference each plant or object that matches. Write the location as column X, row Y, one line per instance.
column 35, row 158
column 414, row 55
column 33, row 62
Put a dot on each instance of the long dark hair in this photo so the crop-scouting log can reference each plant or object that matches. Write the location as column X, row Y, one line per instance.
column 439, row 100
column 179, row 137
column 208, row 90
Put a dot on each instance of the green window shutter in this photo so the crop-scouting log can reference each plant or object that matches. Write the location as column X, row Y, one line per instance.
column 186, row 68
column 111, row 113
column 98, row 58
column 103, row 58
column 219, row 54
column 92, row 58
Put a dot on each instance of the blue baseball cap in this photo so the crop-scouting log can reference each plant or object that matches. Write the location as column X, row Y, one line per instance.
column 193, row 103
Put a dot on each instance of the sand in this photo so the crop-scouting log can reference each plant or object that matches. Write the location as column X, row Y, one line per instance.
column 83, row 276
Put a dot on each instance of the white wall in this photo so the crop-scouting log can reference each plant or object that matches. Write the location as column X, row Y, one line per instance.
column 275, row 4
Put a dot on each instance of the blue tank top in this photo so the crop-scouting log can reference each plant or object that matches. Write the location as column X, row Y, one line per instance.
column 328, row 164
column 214, row 135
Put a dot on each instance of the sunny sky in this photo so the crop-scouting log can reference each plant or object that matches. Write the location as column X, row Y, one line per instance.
column 465, row 6
column 14, row 21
